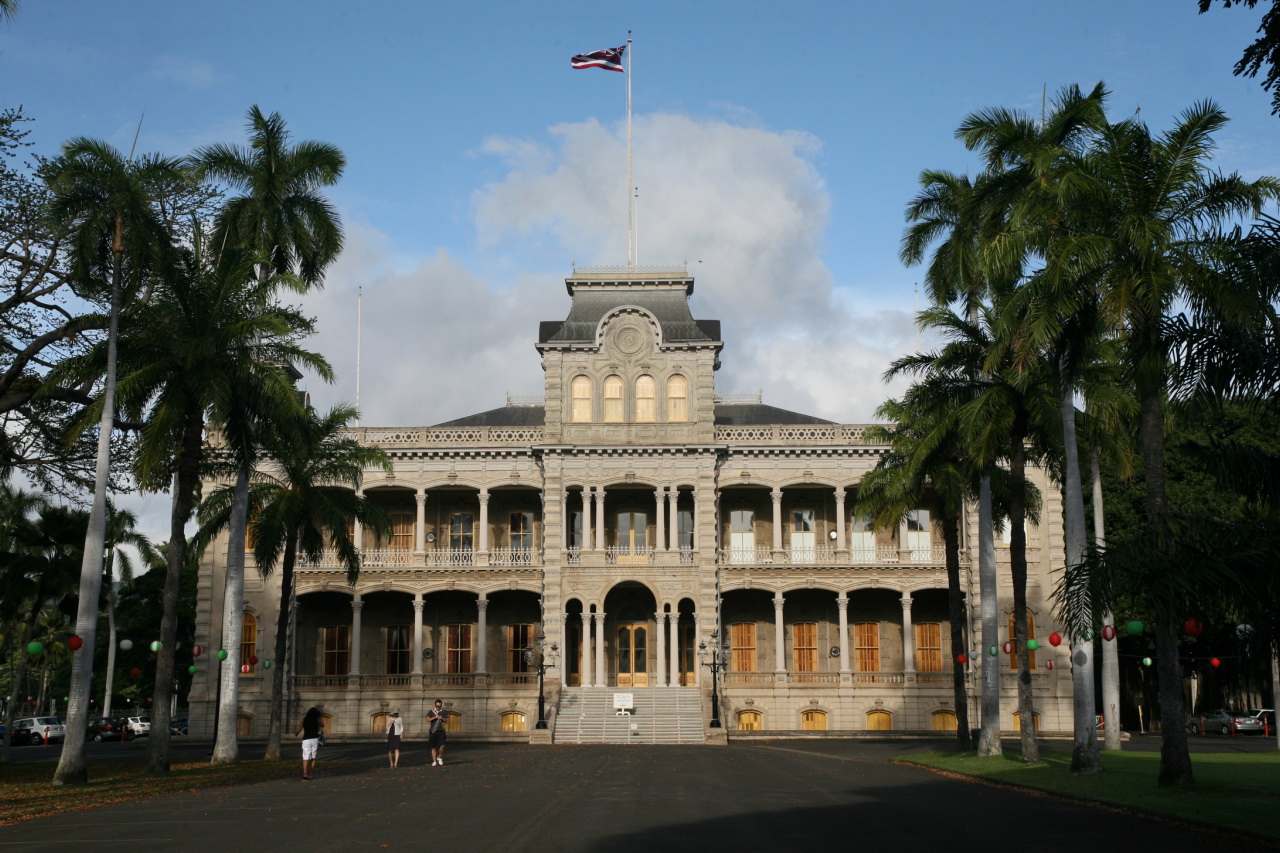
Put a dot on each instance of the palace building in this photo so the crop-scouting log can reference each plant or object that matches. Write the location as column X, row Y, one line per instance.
column 632, row 532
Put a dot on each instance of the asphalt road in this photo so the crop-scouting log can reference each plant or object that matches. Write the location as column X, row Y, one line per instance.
column 781, row 795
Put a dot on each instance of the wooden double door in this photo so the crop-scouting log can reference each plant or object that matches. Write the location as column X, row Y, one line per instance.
column 633, row 654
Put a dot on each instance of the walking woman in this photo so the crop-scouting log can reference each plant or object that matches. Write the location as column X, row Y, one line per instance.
column 394, row 730
column 310, row 729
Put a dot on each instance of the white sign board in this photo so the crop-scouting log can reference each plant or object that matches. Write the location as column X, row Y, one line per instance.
column 623, row 701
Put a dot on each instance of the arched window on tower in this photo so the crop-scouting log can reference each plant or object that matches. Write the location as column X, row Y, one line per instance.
column 613, row 399
column 580, row 390
column 646, row 399
column 677, row 398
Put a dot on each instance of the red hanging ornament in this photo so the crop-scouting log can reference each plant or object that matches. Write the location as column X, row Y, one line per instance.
column 1048, row 664
column 1055, row 639
column 196, row 651
column 244, row 667
column 253, row 660
column 1008, row 647
column 1193, row 627
column 135, row 672
column 1108, row 632
column 962, row 659
column 75, row 643
column 1215, row 663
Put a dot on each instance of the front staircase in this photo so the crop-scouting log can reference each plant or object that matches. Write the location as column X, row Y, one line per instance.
column 660, row 715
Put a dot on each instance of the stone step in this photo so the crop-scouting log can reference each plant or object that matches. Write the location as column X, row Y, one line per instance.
column 660, row 715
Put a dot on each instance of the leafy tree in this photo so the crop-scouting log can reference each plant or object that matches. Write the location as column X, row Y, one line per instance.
column 302, row 501
column 1265, row 50
column 105, row 203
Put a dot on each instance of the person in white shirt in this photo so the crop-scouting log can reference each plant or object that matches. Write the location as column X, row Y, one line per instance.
column 395, row 729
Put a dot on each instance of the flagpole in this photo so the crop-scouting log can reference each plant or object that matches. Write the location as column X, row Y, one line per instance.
column 630, row 206
column 359, row 325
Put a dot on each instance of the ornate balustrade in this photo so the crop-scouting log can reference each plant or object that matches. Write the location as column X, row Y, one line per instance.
column 745, row 556
column 801, row 434
column 616, row 555
column 514, row 557
column 468, row 436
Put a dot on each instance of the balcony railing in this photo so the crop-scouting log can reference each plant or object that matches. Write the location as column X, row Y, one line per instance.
column 382, row 558
column 811, row 556
column 616, row 555
column 449, row 557
column 745, row 556
column 512, row 557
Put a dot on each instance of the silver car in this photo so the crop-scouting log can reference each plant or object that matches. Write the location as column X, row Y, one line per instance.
column 41, row 729
column 139, row 726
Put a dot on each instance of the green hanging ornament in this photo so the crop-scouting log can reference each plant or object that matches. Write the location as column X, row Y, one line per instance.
column 222, row 654
column 266, row 664
column 35, row 647
column 993, row 650
column 1146, row 661
column 192, row 669
column 156, row 646
column 1032, row 645
column 1135, row 627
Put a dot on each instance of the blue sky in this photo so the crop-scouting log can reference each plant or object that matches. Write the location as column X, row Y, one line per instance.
column 776, row 147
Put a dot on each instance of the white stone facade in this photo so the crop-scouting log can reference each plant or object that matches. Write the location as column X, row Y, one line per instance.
column 626, row 517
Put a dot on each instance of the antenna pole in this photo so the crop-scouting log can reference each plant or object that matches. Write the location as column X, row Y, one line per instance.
column 630, row 206
column 359, row 326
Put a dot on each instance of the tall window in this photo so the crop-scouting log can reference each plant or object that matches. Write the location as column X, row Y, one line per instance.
column 519, row 640
column 742, row 536
column 928, row 646
column 918, row 534
column 742, row 646
column 397, row 649
column 248, row 641
column 804, row 642
column 1031, row 632
column 684, row 528
column 460, row 531
column 646, row 399
column 802, row 544
column 677, row 399
column 575, row 529
column 632, row 527
column 613, row 399
column 862, row 539
column 337, row 649
column 580, row 389
column 401, row 531
column 458, row 648
column 866, row 646
column 813, row 721
column 750, row 721
column 522, row 532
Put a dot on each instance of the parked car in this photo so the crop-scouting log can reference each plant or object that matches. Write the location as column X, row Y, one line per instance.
column 107, row 728
column 39, row 730
column 179, row 724
column 1266, row 718
column 139, row 726
column 1223, row 721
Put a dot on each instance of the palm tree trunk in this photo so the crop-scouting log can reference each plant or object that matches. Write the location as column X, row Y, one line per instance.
column 989, row 737
column 111, row 647
column 1175, row 758
column 275, row 726
column 71, row 768
column 1018, row 571
column 226, row 747
column 1110, row 652
column 1084, row 752
column 185, row 481
column 956, row 608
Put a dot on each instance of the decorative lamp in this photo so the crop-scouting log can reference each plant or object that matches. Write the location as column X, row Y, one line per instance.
column 1134, row 626
column 75, row 642
column 1055, row 639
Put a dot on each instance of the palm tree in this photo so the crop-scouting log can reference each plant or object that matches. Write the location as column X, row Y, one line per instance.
column 122, row 529
column 282, row 217
column 945, row 214
column 8, row 9
column 105, row 203
column 205, row 350
column 302, row 501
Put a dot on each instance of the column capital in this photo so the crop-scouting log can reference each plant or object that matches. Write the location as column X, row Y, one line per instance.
column 357, row 604
column 905, row 600
column 842, row 602
column 418, row 604
column 778, row 602
column 482, row 604
column 421, row 497
column 840, row 495
column 776, row 494
column 483, row 497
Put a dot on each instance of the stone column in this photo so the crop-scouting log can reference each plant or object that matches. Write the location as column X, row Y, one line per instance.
column 673, row 650
column 484, row 522
column 842, row 604
column 584, row 654
column 697, row 517
column 357, row 529
column 482, row 641
column 601, row 681
column 416, row 645
column 660, row 533
column 842, row 544
column 357, row 604
column 697, row 635
column 776, row 494
column 600, row 540
column 779, row 634
column 588, row 532
column 660, row 620
column 673, row 513
column 420, row 523
column 908, row 636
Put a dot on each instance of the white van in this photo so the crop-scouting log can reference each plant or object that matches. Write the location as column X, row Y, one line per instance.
column 41, row 729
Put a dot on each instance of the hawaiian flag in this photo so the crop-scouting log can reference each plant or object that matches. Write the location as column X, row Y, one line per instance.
column 610, row 58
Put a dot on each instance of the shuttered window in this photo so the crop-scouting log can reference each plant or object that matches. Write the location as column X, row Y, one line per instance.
column 677, row 399
column 580, row 388
column 337, row 649
column 928, row 646
column 813, row 721
column 646, row 399
column 613, row 399
column 750, row 721
column 879, row 721
column 804, row 641
column 743, row 646
column 459, row 648
column 942, row 721
column 866, row 645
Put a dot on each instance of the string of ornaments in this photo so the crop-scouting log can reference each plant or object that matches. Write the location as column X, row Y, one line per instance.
column 75, row 642
column 1193, row 627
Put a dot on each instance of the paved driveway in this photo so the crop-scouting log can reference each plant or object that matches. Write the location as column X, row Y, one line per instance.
column 777, row 795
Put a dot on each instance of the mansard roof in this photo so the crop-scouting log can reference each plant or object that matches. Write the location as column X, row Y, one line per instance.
column 506, row 416
column 727, row 414
column 662, row 292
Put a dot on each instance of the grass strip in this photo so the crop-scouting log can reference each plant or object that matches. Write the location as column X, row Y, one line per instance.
column 26, row 791
column 1236, row 791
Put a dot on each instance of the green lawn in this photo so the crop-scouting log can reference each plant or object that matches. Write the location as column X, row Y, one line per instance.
column 26, row 792
column 1237, row 791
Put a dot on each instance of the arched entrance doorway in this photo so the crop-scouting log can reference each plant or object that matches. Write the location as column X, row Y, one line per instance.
column 631, row 610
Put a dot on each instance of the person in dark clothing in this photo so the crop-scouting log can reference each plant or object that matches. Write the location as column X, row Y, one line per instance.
column 437, row 717
column 310, row 728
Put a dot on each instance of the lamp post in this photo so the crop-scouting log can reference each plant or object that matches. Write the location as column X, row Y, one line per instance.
column 716, row 658
column 543, row 658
